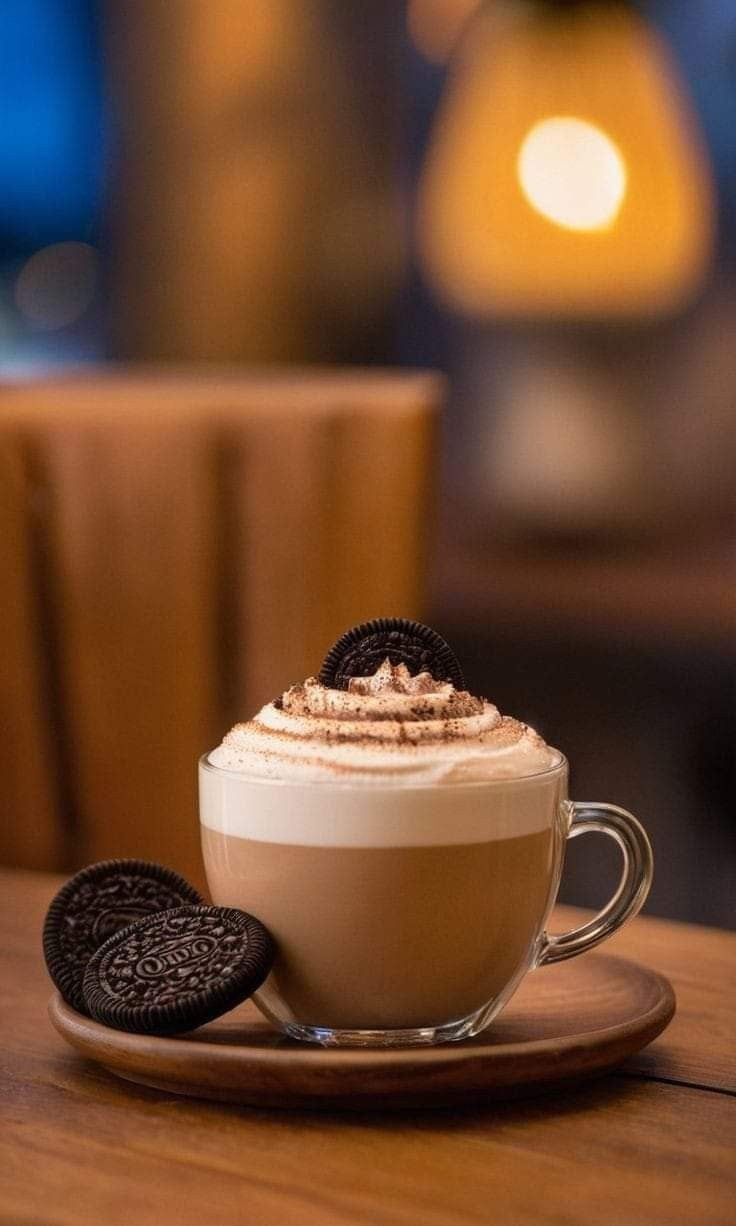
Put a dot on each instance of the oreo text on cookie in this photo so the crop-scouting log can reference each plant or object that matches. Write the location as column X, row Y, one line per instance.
column 176, row 970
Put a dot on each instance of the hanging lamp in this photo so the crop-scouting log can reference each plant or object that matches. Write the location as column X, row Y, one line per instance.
column 566, row 176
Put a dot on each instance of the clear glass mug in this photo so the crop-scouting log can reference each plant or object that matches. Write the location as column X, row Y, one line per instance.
column 405, row 914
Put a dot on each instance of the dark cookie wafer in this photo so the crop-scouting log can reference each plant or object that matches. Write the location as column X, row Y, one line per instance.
column 360, row 651
column 96, row 903
column 177, row 970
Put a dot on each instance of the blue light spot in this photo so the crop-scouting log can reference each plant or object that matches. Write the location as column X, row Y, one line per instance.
column 51, row 122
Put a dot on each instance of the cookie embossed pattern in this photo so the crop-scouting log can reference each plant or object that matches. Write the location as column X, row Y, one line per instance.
column 177, row 970
column 96, row 903
column 364, row 648
column 132, row 945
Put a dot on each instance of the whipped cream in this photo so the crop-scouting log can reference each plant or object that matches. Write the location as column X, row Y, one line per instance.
column 388, row 728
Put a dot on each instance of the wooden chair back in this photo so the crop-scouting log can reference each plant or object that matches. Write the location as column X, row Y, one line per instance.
column 176, row 549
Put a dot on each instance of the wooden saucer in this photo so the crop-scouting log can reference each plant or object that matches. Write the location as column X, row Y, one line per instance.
column 567, row 1022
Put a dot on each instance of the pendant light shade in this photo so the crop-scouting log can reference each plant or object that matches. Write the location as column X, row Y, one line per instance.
column 566, row 176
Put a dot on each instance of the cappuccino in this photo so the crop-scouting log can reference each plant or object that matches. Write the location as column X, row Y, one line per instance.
column 387, row 937
column 401, row 839
column 394, row 905
column 403, row 842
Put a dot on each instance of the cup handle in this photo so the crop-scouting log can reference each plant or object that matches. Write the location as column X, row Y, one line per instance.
column 633, row 887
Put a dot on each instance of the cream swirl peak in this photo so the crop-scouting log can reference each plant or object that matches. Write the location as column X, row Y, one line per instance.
column 388, row 727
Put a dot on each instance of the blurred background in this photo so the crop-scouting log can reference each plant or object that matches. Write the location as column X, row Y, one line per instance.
column 235, row 239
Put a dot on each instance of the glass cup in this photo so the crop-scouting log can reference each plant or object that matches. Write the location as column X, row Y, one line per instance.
column 405, row 914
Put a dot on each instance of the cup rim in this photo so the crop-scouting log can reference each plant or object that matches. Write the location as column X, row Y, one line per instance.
column 558, row 767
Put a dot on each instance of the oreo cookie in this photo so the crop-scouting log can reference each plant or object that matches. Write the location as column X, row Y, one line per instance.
column 96, row 903
column 360, row 651
column 177, row 970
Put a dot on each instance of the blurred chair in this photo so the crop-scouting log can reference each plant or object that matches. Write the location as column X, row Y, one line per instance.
column 176, row 549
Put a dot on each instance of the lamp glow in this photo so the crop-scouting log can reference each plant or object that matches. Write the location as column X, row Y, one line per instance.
column 572, row 173
column 565, row 176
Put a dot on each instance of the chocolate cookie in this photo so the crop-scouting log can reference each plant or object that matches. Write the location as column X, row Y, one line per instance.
column 96, row 903
column 177, row 970
column 360, row 651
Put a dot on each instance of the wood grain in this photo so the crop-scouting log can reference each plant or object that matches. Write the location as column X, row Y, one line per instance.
column 279, row 515
column 32, row 829
column 698, row 1047
column 393, row 476
column 565, row 1024
column 78, row 1147
column 133, row 526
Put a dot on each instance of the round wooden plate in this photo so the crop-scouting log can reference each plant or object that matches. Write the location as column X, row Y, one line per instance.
column 567, row 1022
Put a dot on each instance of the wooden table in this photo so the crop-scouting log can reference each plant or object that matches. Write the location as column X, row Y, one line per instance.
column 653, row 1143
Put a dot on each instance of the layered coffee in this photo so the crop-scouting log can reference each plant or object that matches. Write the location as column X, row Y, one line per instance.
column 400, row 838
column 388, row 937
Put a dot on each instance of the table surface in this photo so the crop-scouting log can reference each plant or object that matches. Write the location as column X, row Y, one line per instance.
column 652, row 1143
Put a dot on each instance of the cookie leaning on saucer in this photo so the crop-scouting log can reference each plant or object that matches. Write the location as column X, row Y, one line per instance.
column 362, row 650
column 96, row 903
column 177, row 970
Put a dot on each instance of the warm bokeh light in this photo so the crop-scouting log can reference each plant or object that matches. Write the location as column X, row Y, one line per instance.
column 566, row 175
column 56, row 285
column 572, row 173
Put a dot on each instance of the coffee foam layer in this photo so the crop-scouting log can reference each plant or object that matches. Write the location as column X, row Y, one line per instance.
column 390, row 727
column 308, row 815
